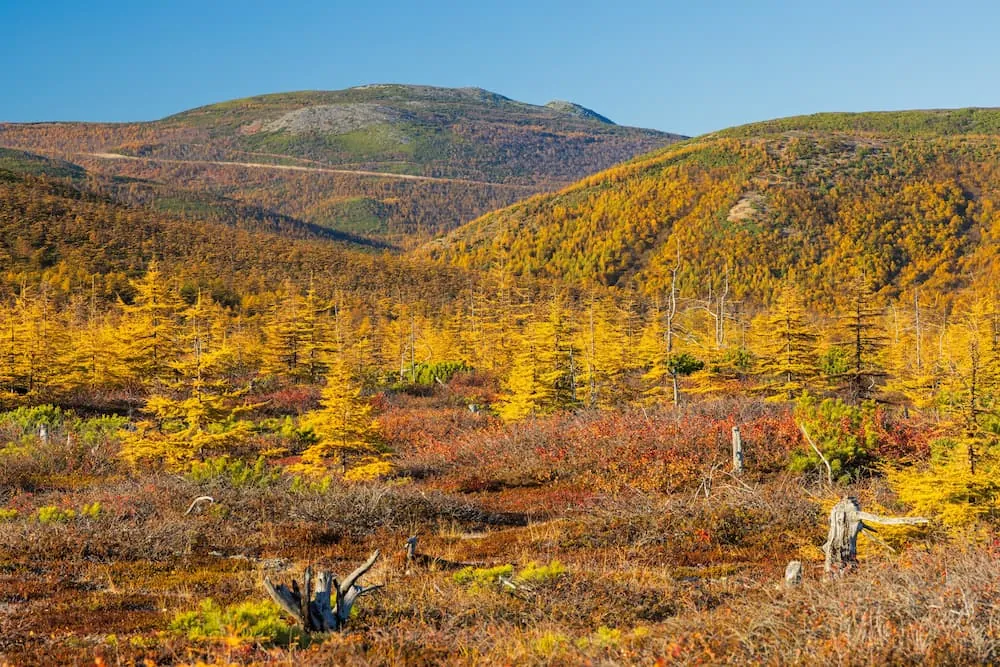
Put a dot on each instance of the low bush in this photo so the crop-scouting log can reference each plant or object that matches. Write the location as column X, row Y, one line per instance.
column 540, row 573
column 482, row 578
column 246, row 622
column 233, row 473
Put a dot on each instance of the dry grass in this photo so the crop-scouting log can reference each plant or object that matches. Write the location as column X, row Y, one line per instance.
column 684, row 577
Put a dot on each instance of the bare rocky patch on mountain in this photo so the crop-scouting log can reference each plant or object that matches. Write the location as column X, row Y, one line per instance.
column 335, row 118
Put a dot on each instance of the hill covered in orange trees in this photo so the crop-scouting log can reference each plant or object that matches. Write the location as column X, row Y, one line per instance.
column 908, row 199
column 392, row 162
column 75, row 232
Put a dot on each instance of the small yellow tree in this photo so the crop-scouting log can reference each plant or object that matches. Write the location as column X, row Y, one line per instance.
column 947, row 489
column 961, row 482
column 344, row 425
column 543, row 378
column 787, row 346
column 150, row 326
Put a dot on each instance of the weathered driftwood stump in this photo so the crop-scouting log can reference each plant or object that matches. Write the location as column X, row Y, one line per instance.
column 793, row 573
column 846, row 522
column 737, row 451
column 330, row 605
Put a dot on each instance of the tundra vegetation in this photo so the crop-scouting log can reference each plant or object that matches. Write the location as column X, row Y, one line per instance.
column 479, row 465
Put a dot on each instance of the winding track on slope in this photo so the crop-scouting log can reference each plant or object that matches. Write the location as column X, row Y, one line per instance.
column 322, row 170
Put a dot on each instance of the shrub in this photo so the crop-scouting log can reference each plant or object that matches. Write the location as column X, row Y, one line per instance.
column 482, row 578
column 603, row 637
column 91, row 510
column 75, row 449
column 234, row 473
column 599, row 452
column 301, row 484
column 99, row 430
column 538, row 573
column 8, row 514
column 371, row 468
column 30, row 419
column 49, row 514
column 442, row 371
column 847, row 436
column 258, row 622
column 550, row 644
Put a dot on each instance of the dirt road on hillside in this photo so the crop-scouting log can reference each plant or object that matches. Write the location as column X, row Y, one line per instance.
column 321, row 170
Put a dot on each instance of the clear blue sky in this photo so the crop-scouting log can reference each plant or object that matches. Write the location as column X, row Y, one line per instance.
column 682, row 66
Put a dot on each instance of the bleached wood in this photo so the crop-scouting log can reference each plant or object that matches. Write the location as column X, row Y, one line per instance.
column 847, row 520
column 829, row 470
column 197, row 501
column 322, row 604
column 793, row 573
column 737, row 451
column 286, row 599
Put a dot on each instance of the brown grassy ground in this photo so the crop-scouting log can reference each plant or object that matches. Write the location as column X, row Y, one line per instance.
column 650, row 574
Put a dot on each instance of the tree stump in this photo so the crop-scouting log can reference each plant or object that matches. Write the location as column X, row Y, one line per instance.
column 846, row 522
column 793, row 573
column 737, row 451
column 328, row 607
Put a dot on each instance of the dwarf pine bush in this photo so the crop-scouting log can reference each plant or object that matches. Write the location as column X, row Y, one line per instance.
column 244, row 622
column 539, row 573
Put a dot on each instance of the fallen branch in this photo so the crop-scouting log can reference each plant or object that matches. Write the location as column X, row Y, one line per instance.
column 829, row 470
column 197, row 501
column 414, row 559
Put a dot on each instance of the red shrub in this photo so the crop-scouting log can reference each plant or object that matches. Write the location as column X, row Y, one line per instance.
column 604, row 452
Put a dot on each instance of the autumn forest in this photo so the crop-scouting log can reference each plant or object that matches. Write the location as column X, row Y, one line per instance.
column 218, row 368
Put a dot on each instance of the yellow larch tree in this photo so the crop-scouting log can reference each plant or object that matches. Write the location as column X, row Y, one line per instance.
column 150, row 326
column 198, row 412
column 545, row 371
column 344, row 425
column 786, row 345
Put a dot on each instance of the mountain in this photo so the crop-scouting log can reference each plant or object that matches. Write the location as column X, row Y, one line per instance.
column 391, row 162
column 907, row 199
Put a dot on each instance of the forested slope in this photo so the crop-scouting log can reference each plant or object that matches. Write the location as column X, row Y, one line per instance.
column 820, row 198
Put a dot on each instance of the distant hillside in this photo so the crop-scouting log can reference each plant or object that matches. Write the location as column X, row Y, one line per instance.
column 74, row 239
column 907, row 198
column 316, row 155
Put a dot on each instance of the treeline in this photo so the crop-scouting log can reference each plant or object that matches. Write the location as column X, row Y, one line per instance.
column 549, row 350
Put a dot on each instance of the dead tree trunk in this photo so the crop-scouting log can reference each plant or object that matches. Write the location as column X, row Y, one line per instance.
column 846, row 522
column 737, row 451
column 793, row 573
column 330, row 605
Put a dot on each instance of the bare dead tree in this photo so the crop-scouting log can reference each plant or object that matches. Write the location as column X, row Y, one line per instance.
column 715, row 307
column 327, row 607
column 671, row 316
column 847, row 520
column 793, row 573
